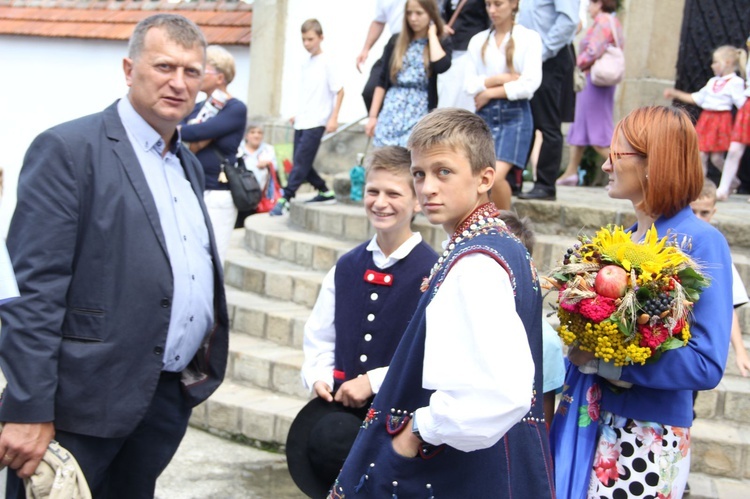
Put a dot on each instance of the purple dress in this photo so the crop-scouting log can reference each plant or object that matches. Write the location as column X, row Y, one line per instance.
column 593, row 123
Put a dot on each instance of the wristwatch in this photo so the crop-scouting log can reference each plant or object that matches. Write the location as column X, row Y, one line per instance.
column 415, row 427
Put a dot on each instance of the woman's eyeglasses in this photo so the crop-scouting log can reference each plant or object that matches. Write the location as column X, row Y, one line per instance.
column 617, row 155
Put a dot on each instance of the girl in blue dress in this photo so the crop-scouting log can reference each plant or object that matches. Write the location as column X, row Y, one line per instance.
column 407, row 89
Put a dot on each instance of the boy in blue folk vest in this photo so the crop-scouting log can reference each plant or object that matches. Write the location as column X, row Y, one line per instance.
column 459, row 413
column 364, row 306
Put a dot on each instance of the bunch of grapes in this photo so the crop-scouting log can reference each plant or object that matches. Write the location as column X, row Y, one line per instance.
column 657, row 305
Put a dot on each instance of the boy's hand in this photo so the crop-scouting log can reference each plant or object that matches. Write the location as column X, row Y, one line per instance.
column 669, row 93
column 405, row 443
column 355, row 392
column 323, row 391
column 332, row 125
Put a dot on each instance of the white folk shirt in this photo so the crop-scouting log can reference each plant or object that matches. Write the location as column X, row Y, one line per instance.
column 320, row 82
column 477, row 358
column 527, row 61
column 320, row 331
column 720, row 93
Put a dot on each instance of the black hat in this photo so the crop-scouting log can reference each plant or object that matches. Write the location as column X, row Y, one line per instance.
column 319, row 440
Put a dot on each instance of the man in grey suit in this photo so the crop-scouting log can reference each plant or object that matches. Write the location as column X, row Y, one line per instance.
column 121, row 327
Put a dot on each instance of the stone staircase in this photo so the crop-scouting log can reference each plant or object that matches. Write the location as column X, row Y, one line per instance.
column 273, row 273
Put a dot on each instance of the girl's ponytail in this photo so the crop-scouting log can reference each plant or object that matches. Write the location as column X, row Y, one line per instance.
column 742, row 62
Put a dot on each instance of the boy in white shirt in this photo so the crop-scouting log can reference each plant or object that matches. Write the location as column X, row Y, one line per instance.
column 321, row 94
column 459, row 413
column 364, row 306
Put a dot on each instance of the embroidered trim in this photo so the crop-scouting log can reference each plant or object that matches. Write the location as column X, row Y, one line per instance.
column 480, row 221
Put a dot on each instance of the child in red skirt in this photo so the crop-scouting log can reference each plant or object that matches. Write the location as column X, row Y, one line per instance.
column 740, row 139
column 714, row 126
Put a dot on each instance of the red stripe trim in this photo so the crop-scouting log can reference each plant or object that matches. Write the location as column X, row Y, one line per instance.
column 339, row 375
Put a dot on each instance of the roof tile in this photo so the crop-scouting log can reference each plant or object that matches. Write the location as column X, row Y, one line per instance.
column 223, row 22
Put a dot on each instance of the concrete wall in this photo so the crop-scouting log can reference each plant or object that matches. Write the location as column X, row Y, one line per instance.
column 652, row 38
column 47, row 81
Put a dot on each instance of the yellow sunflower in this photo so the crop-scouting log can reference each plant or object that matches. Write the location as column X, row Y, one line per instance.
column 651, row 257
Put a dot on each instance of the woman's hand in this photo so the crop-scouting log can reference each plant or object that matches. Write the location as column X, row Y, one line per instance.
column 579, row 357
column 481, row 99
column 405, row 443
column 370, row 126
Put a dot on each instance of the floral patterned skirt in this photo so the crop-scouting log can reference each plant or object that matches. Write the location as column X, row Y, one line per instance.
column 639, row 459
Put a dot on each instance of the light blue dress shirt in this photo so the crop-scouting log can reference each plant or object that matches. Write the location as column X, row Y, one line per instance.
column 554, row 20
column 186, row 234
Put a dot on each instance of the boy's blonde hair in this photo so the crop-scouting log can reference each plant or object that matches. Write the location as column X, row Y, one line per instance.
column 522, row 228
column 708, row 191
column 312, row 25
column 392, row 159
column 460, row 130
column 220, row 58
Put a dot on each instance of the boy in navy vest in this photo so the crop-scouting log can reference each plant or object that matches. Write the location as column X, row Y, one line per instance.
column 368, row 298
column 459, row 413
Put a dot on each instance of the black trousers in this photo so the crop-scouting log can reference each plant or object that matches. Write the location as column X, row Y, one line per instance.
column 546, row 109
column 127, row 467
column 306, row 145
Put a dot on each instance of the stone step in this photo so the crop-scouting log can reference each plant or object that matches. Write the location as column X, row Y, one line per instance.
column 720, row 448
column 704, row 486
column 729, row 401
column 273, row 278
column 260, row 416
column 275, row 237
column 265, row 364
column 349, row 222
column 281, row 322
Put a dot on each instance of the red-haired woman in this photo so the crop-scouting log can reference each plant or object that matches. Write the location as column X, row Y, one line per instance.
column 643, row 444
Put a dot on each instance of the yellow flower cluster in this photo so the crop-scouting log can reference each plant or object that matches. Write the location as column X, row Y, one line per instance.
column 603, row 339
column 652, row 256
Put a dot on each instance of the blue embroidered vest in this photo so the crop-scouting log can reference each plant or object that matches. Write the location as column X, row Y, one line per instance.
column 518, row 465
column 374, row 307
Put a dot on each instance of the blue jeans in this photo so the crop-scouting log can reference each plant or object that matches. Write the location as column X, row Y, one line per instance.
column 512, row 129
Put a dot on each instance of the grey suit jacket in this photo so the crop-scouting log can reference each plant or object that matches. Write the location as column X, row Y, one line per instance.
column 83, row 345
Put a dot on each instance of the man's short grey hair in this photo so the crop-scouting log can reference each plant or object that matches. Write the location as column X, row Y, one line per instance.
column 179, row 29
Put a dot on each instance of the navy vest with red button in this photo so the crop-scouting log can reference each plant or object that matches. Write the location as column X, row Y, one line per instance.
column 518, row 465
column 374, row 306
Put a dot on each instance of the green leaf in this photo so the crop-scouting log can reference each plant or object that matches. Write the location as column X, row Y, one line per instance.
column 560, row 277
column 671, row 344
column 583, row 416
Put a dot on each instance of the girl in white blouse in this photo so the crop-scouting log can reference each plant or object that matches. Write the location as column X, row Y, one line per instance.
column 505, row 71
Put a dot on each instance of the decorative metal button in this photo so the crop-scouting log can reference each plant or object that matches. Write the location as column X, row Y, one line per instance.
column 374, row 296
column 370, row 317
column 363, row 358
column 368, row 337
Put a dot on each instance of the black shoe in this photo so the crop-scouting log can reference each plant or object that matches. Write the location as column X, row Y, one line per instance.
column 686, row 492
column 538, row 194
column 327, row 197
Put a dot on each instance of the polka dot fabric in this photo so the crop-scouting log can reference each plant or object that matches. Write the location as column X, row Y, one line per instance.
column 639, row 459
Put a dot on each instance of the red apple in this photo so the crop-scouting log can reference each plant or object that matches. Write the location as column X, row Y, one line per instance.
column 611, row 281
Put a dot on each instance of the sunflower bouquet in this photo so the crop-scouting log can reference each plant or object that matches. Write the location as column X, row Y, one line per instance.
column 623, row 301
